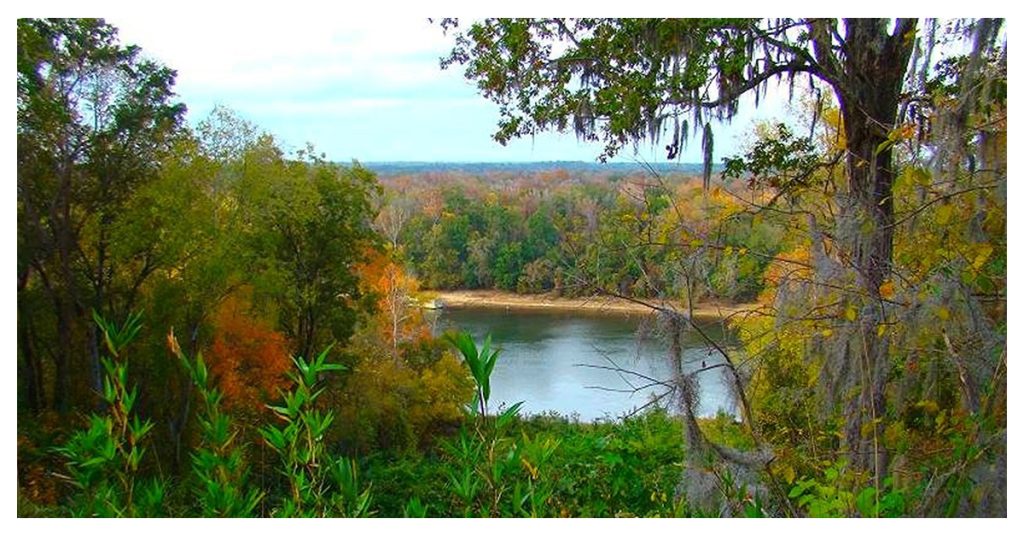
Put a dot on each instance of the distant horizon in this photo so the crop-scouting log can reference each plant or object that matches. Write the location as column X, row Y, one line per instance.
column 391, row 168
column 517, row 162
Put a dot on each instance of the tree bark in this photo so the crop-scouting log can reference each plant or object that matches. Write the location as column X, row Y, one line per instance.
column 874, row 69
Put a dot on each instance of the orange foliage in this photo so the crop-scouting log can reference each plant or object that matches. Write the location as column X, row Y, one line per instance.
column 248, row 359
column 789, row 265
column 397, row 319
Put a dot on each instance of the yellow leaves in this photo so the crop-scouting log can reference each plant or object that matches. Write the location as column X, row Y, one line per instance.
column 659, row 497
column 918, row 176
column 908, row 39
column 944, row 214
column 850, row 313
column 530, row 468
column 896, row 135
column 984, row 252
column 896, row 434
column 942, row 313
column 881, row 329
column 780, row 269
column 929, row 407
column 826, row 333
column 787, row 473
column 868, row 429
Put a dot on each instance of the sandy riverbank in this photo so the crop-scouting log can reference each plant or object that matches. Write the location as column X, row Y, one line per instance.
column 509, row 300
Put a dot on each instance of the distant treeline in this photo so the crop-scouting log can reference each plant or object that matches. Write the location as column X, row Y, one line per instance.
column 385, row 169
column 578, row 233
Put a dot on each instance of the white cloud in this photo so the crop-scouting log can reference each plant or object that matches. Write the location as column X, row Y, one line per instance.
column 343, row 107
column 358, row 85
column 287, row 54
column 329, row 107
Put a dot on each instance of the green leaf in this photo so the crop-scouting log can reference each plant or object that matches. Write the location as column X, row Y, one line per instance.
column 509, row 414
column 866, row 502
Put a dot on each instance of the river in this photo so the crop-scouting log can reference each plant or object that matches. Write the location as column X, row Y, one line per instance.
column 559, row 361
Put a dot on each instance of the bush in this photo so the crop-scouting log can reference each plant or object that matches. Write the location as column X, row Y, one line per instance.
column 399, row 403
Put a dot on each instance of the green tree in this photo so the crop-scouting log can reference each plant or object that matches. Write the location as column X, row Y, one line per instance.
column 307, row 223
column 541, row 234
column 508, row 265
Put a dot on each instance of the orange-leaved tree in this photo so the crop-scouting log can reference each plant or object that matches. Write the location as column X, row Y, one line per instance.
column 397, row 319
column 248, row 358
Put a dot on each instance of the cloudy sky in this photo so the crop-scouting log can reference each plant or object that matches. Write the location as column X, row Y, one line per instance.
column 357, row 88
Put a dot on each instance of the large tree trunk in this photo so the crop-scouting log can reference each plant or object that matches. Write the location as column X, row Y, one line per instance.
column 875, row 65
column 64, row 296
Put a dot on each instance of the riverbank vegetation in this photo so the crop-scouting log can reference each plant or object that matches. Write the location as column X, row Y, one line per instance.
column 212, row 325
column 579, row 235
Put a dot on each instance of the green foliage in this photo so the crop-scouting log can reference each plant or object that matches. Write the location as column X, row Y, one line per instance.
column 122, row 207
column 833, row 494
column 508, row 266
column 480, row 362
column 657, row 61
column 103, row 460
column 95, row 119
column 306, row 224
column 780, row 160
column 222, row 485
column 399, row 403
column 825, row 498
column 494, row 474
column 888, row 502
column 544, row 466
column 615, row 469
column 643, row 238
column 319, row 484
column 415, row 508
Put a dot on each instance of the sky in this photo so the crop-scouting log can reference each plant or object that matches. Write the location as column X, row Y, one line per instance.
column 359, row 88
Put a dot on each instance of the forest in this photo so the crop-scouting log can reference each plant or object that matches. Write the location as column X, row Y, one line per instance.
column 210, row 324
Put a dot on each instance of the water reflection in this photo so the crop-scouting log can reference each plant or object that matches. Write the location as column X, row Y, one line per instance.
column 559, row 361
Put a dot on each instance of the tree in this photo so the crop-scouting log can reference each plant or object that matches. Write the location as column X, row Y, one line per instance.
column 94, row 118
column 308, row 223
column 624, row 81
column 384, row 280
column 247, row 360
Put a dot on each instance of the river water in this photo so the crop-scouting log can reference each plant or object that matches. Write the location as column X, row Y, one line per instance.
column 559, row 361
